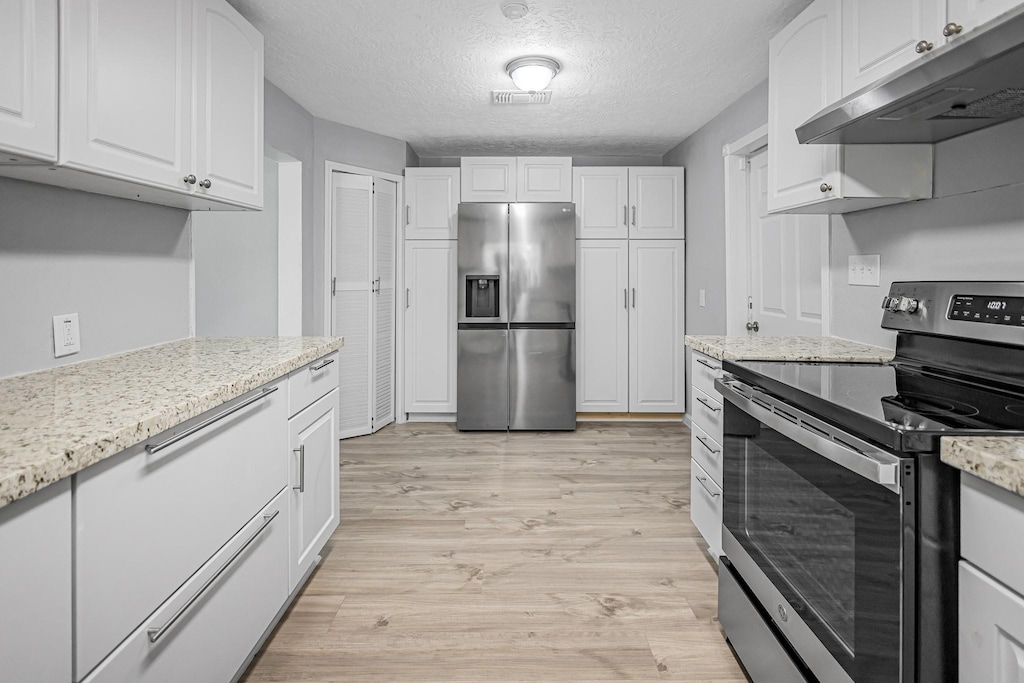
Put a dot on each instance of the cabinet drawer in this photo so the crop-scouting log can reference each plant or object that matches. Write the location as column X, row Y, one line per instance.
column 707, row 452
column 309, row 383
column 706, row 507
column 989, row 516
column 707, row 413
column 991, row 628
column 705, row 370
column 222, row 611
column 145, row 522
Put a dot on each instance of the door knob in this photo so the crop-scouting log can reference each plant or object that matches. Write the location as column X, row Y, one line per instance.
column 753, row 327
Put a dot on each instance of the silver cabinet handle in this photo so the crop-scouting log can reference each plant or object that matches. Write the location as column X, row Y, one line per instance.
column 707, row 405
column 301, row 450
column 156, row 634
column 923, row 46
column 634, row 297
column 634, row 214
column 407, row 297
column 625, row 298
column 407, row 214
column 625, row 214
column 951, row 29
column 704, row 482
column 156, row 448
column 189, row 179
column 316, row 368
column 707, row 364
column 705, row 445
column 205, row 183
column 825, row 187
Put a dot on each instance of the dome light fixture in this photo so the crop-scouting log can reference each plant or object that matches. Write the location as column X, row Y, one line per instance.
column 532, row 74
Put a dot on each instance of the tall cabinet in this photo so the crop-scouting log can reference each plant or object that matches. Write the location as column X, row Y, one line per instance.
column 630, row 289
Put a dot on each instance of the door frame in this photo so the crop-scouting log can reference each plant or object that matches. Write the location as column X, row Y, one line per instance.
column 328, row 261
column 736, row 156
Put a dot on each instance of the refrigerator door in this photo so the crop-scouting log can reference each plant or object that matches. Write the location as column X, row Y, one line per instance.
column 542, row 378
column 483, row 262
column 542, row 263
column 482, row 378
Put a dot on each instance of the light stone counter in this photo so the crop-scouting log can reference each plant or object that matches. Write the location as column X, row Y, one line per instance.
column 996, row 459
column 57, row 422
column 797, row 349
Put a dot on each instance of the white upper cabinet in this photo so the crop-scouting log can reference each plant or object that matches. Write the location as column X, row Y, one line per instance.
column 804, row 73
column 489, row 179
column 657, row 207
column 126, row 107
column 602, row 202
column 602, row 324
column 880, row 36
column 544, row 179
column 432, row 203
column 28, row 79
column 970, row 14
column 227, row 84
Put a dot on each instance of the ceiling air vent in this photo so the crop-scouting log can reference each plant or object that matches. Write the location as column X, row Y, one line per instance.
column 520, row 97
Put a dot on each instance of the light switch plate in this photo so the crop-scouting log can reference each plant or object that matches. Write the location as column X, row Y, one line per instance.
column 864, row 270
column 66, row 338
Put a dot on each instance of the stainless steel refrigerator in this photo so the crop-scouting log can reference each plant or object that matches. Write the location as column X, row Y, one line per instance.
column 517, row 317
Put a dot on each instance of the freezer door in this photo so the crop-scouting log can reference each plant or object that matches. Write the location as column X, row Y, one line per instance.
column 483, row 256
column 482, row 379
column 542, row 379
column 542, row 263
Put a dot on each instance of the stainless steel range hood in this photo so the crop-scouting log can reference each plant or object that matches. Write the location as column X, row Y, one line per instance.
column 973, row 82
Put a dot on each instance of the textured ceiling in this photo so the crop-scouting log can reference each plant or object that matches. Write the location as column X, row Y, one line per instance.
column 638, row 76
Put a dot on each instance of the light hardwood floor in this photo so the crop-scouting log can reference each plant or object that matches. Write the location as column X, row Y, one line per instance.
column 509, row 557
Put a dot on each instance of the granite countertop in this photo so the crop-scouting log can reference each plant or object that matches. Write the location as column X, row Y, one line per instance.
column 805, row 349
column 54, row 423
column 996, row 459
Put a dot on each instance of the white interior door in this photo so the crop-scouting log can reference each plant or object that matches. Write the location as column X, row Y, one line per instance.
column 385, row 221
column 354, row 300
column 788, row 261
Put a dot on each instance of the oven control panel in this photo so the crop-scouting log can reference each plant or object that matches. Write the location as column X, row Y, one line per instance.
column 993, row 310
column 983, row 311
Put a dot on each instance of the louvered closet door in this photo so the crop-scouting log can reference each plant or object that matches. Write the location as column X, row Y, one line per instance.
column 351, row 219
column 385, row 194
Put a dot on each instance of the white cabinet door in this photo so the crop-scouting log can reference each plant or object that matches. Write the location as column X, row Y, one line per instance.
column 125, row 105
column 706, row 508
column 544, row 179
column 602, row 202
column 35, row 586
column 28, row 78
column 657, row 207
column 970, row 14
column 430, row 323
column 432, row 203
column 228, row 85
column 991, row 628
column 656, row 359
column 315, row 505
column 880, row 36
column 602, row 326
column 489, row 179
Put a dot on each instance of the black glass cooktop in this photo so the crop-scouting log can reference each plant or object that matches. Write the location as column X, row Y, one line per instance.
column 902, row 406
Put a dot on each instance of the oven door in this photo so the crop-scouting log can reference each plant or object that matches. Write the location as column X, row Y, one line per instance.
column 819, row 526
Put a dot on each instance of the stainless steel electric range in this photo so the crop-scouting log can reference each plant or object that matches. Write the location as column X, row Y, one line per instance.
column 840, row 523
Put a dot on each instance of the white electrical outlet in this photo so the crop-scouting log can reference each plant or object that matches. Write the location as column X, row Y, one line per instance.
column 66, row 338
column 703, row 297
column 864, row 270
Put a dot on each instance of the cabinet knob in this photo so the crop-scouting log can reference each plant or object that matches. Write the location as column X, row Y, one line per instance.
column 205, row 183
column 189, row 179
column 825, row 187
column 923, row 46
column 952, row 29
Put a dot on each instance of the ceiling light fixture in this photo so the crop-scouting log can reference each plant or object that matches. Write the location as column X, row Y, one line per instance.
column 532, row 73
column 514, row 10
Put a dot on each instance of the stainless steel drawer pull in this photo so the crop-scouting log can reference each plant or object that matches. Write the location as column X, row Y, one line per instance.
column 704, row 443
column 156, row 634
column 156, row 448
column 704, row 482
column 316, row 368
column 707, row 405
column 301, row 450
column 625, row 298
column 625, row 215
column 708, row 365
column 634, row 214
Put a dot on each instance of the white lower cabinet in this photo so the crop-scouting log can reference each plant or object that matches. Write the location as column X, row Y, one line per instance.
column 707, row 455
column 706, row 507
column 206, row 630
column 313, row 493
column 431, row 304
column 35, row 586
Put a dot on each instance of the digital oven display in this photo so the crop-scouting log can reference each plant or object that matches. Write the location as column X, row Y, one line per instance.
column 1002, row 310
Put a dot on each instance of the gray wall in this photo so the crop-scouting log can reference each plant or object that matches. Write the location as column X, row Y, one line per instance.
column 236, row 268
column 436, row 162
column 123, row 266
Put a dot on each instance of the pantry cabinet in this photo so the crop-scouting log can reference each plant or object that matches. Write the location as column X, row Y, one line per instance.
column 432, row 197
column 804, row 76
column 431, row 302
column 602, row 326
column 602, row 202
column 635, row 202
column 28, row 85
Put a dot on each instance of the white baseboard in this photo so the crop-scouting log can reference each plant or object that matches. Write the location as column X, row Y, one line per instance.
column 430, row 417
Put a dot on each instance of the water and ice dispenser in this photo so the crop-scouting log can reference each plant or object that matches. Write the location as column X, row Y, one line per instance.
column 482, row 296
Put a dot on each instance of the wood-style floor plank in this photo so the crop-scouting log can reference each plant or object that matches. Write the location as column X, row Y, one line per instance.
column 509, row 557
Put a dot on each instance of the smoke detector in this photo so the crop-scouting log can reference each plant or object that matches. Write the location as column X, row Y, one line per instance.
column 514, row 10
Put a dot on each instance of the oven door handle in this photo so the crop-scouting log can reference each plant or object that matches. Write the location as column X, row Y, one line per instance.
column 843, row 449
